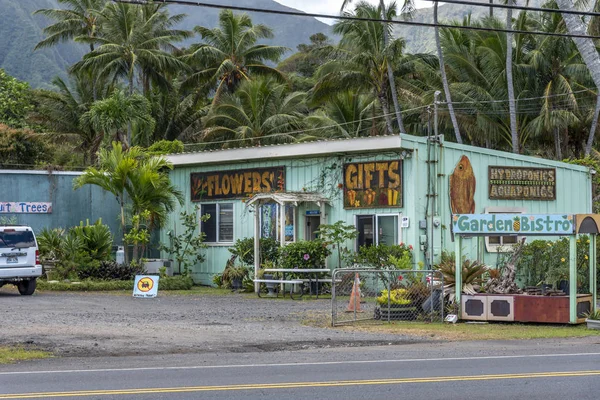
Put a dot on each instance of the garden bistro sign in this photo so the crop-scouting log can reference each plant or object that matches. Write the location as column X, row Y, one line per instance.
column 506, row 224
column 236, row 183
column 521, row 183
column 373, row 184
column 25, row 207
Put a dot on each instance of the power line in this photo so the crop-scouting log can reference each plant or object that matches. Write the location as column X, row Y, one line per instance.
column 517, row 7
column 350, row 18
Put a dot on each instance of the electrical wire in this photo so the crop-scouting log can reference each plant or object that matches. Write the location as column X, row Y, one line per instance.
column 310, row 129
column 350, row 18
column 517, row 7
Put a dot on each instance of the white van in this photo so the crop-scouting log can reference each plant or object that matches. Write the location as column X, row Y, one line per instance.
column 19, row 258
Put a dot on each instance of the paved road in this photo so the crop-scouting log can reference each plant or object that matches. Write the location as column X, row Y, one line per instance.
column 450, row 371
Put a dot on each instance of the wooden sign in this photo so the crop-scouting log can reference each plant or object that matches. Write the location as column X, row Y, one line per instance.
column 513, row 224
column 522, row 183
column 236, row 183
column 375, row 184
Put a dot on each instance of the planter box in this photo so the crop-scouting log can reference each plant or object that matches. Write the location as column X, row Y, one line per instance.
column 396, row 313
column 593, row 324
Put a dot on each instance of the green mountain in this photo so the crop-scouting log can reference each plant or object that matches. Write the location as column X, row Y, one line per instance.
column 20, row 31
column 421, row 39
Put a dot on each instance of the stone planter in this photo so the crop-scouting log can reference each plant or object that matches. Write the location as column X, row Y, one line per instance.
column 593, row 324
column 271, row 287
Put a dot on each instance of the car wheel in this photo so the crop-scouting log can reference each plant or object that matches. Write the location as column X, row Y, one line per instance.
column 27, row 287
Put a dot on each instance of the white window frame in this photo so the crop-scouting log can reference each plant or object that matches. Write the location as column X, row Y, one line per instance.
column 218, row 223
column 376, row 226
column 501, row 247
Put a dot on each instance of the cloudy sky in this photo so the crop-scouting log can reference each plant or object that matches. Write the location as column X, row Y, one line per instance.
column 332, row 6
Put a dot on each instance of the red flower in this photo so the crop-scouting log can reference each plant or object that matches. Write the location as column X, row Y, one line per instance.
column 400, row 277
column 410, row 247
column 401, row 243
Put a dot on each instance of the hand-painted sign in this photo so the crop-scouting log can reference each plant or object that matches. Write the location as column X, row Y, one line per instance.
column 516, row 183
column 145, row 286
column 506, row 224
column 375, row 184
column 236, row 183
column 25, row 207
column 462, row 187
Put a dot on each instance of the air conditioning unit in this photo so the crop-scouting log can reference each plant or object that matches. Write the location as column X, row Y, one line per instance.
column 501, row 308
column 474, row 307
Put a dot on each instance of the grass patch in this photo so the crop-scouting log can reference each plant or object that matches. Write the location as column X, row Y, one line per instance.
column 176, row 283
column 13, row 354
column 489, row 331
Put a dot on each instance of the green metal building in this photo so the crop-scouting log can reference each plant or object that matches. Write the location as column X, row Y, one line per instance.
column 392, row 188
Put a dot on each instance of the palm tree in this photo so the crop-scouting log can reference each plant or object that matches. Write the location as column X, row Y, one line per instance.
column 131, row 45
column 259, row 112
column 131, row 174
column 112, row 116
column 589, row 53
column 61, row 110
column 361, row 59
column 79, row 20
column 349, row 115
column 390, row 72
column 230, row 54
column 514, row 134
column 444, row 77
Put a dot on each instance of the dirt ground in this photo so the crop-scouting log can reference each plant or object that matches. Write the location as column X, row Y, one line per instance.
column 103, row 324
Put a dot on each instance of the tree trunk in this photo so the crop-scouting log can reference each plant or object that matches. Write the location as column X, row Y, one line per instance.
column 444, row 78
column 590, row 141
column 386, row 110
column 557, row 149
column 390, row 72
column 576, row 26
column 512, row 107
column 129, row 128
column 94, row 90
column 122, row 204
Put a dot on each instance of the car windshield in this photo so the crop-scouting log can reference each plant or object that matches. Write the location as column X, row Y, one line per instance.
column 18, row 239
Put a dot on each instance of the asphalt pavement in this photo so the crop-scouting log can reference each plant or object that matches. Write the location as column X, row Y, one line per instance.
column 565, row 369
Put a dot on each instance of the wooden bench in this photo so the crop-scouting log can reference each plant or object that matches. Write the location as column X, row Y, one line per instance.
column 292, row 282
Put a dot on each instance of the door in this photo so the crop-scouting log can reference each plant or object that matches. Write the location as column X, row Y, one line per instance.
column 312, row 225
column 365, row 224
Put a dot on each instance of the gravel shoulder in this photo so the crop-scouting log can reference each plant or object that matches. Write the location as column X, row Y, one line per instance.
column 108, row 324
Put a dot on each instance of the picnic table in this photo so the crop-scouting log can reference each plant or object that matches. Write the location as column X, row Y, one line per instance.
column 312, row 275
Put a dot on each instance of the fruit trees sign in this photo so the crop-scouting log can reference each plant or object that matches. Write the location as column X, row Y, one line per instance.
column 506, row 224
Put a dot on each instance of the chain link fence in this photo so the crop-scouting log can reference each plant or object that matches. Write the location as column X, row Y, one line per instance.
column 386, row 295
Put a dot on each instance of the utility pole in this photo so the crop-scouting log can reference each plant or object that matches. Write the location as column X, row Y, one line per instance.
column 436, row 101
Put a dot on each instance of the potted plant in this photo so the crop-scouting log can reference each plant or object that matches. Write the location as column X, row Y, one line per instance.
column 395, row 305
column 235, row 274
column 593, row 320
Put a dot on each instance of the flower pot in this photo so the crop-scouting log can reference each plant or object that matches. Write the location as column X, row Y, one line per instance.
column 593, row 324
column 270, row 286
column 236, row 283
column 564, row 286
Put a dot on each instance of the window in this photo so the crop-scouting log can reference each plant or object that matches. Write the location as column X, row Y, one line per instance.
column 378, row 229
column 219, row 226
column 501, row 244
column 270, row 226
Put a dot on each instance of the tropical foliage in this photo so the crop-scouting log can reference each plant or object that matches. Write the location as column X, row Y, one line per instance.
column 136, row 84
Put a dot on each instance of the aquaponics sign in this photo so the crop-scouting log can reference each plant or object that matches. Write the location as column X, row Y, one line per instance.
column 516, row 224
column 233, row 184
column 521, row 183
column 376, row 184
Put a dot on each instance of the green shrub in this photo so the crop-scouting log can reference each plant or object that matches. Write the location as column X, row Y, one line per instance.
column 168, row 283
column 304, row 254
column 165, row 147
column 244, row 250
column 380, row 256
column 109, row 271
column 96, row 239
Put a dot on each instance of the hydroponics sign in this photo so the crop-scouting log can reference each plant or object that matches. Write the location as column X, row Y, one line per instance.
column 506, row 224
column 522, row 183
column 25, row 207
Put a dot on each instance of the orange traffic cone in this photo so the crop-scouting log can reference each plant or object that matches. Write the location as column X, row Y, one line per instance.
column 354, row 304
